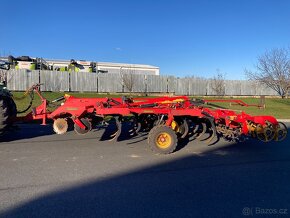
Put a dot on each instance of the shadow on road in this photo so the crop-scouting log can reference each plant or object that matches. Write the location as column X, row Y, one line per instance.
column 33, row 130
column 27, row 131
column 217, row 183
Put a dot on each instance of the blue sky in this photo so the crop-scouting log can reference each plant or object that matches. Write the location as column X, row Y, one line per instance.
column 182, row 37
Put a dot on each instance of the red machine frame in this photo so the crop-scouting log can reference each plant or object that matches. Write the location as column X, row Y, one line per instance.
column 175, row 112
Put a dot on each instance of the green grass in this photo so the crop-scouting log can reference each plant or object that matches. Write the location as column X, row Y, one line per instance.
column 277, row 107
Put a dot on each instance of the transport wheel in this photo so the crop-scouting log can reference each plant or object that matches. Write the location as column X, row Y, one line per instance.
column 81, row 131
column 60, row 126
column 162, row 139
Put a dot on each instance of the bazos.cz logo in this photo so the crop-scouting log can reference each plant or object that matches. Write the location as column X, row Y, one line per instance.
column 250, row 211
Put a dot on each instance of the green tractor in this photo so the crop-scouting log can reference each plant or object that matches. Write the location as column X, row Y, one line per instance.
column 8, row 110
column 28, row 63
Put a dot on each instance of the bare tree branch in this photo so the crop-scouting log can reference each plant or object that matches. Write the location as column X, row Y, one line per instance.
column 218, row 83
column 273, row 70
column 127, row 78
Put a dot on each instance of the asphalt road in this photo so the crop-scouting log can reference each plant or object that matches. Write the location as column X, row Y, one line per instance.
column 48, row 175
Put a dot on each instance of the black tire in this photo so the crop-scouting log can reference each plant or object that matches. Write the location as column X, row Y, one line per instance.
column 81, row 131
column 162, row 139
column 4, row 115
column 12, row 110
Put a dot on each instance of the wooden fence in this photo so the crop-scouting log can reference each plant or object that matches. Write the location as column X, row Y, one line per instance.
column 20, row 80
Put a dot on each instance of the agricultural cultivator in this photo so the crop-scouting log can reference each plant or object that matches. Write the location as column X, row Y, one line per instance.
column 167, row 120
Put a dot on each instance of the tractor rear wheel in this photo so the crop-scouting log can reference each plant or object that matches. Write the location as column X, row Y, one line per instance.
column 8, row 113
column 162, row 139
column 12, row 110
column 4, row 115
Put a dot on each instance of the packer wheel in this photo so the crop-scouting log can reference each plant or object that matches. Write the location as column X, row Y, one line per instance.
column 281, row 132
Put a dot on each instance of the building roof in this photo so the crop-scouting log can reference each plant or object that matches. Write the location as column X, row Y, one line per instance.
column 98, row 63
column 109, row 64
column 127, row 65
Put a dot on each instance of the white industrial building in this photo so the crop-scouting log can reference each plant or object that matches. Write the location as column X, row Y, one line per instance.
column 109, row 67
column 30, row 63
column 129, row 68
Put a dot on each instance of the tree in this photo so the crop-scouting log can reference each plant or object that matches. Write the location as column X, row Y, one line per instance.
column 273, row 70
column 127, row 78
column 218, row 83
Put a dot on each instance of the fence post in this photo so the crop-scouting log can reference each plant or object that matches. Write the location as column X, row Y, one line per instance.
column 145, row 81
column 167, row 85
column 97, row 82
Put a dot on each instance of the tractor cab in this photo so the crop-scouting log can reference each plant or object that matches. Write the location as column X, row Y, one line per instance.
column 82, row 66
column 28, row 63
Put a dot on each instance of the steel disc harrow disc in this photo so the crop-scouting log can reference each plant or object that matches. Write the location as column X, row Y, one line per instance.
column 86, row 123
column 60, row 126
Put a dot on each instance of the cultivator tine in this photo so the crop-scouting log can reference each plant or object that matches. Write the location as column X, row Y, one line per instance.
column 115, row 127
column 214, row 131
column 186, row 129
column 203, row 125
column 119, row 130
column 136, row 129
column 211, row 130
column 195, row 129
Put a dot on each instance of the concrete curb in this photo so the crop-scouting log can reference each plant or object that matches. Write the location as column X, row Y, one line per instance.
column 284, row 120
